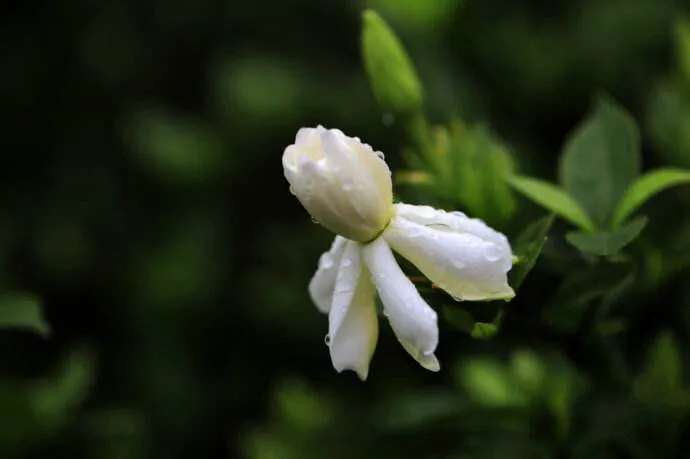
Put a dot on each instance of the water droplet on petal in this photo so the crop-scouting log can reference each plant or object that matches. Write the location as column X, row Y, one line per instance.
column 345, row 262
column 492, row 252
column 327, row 339
column 292, row 190
column 380, row 155
column 313, row 220
column 348, row 184
column 326, row 262
column 388, row 119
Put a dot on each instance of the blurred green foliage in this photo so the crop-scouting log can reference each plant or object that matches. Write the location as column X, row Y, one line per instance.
column 154, row 266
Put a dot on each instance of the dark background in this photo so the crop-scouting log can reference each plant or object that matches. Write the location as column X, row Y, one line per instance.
column 142, row 199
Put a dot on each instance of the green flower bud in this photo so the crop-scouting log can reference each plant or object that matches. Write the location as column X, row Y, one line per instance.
column 391, row 74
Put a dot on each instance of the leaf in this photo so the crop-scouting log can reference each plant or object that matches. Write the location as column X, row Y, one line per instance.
column 607, row 242
column 413, row 177
column 571, row 301
column 458, row 317
column 553, row 198
column 489, row 383
column 483, row 330
column 646, row 187
column 482, row 165
column 22, row 311
column 660, row 379
column 54, row 398
column 418, row 410
column 392, row 75
column 601, row 159
column 528, row 246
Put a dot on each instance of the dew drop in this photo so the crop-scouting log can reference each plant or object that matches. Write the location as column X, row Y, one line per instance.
column 313, row 220
column 492, row 252
column 292, row 190
column 327, row 339
column 388, row 119
column 345, row 262
column 380, row 155
column 348, row 184
column 326, row 262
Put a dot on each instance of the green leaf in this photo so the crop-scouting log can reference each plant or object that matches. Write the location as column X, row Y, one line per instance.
column 411, row 411
column 567, row 307
column 528, row 246
column 660, row 379
column 483, row 330
column 553, row 198
column 458, row 317
column 645, row 187
column 607, row 242
column 489, row 383
column 22, row 311
column 478, row 166
column 392, row 75
column 66, row 389
column 601, row 159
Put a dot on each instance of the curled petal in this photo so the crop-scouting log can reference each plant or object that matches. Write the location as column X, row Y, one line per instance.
column 463, row 256
column 415, row 324
column 352, row 321
column 322, row 285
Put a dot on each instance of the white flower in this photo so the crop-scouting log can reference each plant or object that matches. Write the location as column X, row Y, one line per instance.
column 462, row 256
column 342, row 182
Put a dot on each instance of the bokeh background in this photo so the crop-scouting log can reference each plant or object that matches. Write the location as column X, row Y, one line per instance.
column 143, row 206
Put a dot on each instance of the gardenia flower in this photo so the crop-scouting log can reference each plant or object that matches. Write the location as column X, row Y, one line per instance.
column 346, row 186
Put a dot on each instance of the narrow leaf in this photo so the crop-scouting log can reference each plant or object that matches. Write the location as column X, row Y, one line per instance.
column 646, row 187
column 607, row 242
column 553, row 198
column 22, row 311
column 660, row 379
column 601, row 159
column 528, row 246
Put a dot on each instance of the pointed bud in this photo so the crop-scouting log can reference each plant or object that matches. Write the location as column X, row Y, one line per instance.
column 391, row 73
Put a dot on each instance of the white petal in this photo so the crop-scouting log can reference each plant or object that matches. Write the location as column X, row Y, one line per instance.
column 352, row 321
column 322, row 285
column 463, row 256
column 415, row 324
